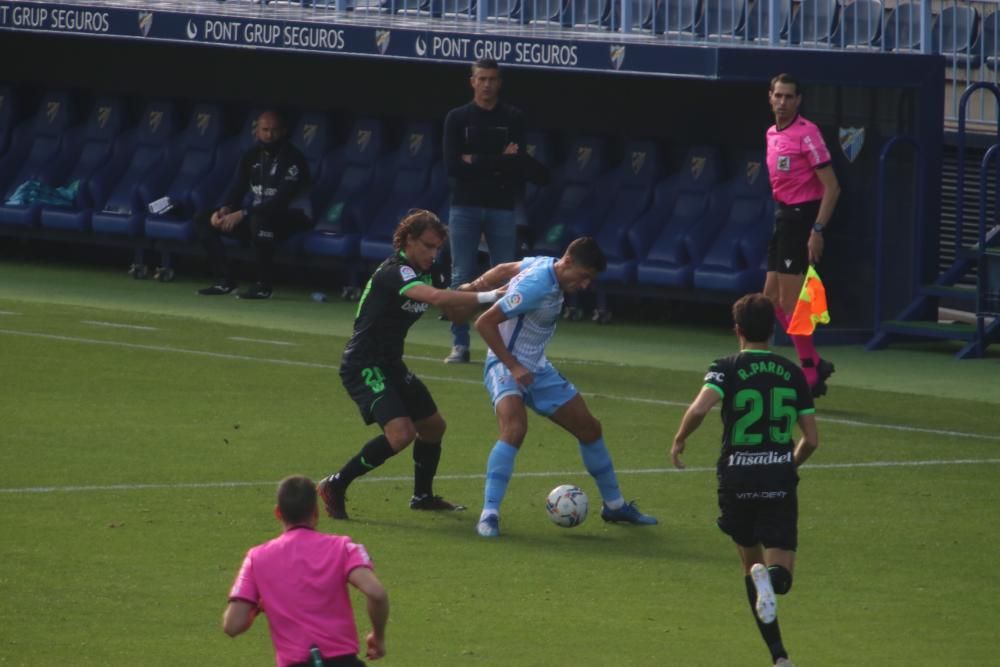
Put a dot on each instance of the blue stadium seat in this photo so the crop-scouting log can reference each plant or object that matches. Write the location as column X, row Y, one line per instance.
column 722, row 18
column 673, row 16
column 121, row 210
column 759, row 20
column 902, row 29
column 815, row 22
column 98, row 142
column 517, row 11
column 579, row 198
column 956, row 30
column 990, row 40
column 191, row 158
column 632, row 189
column 8, row 116
column 351, row 190
column 583, row 13
column 397, row 6
column 860, row 25
column 682, row 231
column 418, row 180
column 314, row 134
column 539, row 201
column 736, row 261
column 41, row 151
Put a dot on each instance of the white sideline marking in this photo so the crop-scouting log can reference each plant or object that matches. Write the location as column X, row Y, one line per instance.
column 629, row 399
column 118, row 325
column 241, row 339
column 395, row 479
column 8, row 312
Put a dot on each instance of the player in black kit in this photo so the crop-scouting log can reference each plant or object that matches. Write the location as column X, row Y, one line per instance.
column 763, row 395
column 372, row 367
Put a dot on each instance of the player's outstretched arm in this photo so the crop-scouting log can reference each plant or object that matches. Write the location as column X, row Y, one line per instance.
column 690, row 422
column 364, row 580
column 810, row 439
column 444, row 298
column 492, row 279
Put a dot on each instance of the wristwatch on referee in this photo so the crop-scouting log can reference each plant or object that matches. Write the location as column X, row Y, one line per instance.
column 818, row 228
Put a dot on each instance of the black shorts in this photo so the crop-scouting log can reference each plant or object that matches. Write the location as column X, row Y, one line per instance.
column 753, row 518
column 340, row 661
column 788, row 251
column 385, row 394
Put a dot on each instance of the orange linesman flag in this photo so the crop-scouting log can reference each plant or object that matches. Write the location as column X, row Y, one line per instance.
column 811, row 307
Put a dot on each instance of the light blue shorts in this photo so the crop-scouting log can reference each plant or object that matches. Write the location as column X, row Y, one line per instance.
column 549, row 392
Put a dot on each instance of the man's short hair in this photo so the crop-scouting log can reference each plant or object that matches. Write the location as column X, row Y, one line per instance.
column 753, row 315
column 296, row 499
column 485, row 63
column 584, row 251
column 414, row 224
column 786, row 79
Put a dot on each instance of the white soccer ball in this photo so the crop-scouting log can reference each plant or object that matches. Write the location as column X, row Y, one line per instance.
column 567, row 505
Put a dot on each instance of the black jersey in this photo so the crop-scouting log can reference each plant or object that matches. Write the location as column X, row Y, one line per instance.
column 763, row 395
column 385, row 314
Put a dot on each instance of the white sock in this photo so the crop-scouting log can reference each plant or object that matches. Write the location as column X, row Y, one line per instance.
column 487, row 513
column 615, row 504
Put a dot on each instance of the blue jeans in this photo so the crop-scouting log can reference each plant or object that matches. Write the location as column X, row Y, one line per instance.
column 466, row 224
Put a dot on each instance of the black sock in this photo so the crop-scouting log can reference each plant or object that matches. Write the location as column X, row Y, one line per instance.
column 781, row 579
column 425, row 464
column 372, row 455
column 770, row 631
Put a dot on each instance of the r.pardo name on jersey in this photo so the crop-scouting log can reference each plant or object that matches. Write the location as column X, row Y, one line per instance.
column 70, row 20
column 504, row 51
column 270, row 34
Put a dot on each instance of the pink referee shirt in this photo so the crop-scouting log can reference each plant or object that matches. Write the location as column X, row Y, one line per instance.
column 299, row 580
column 793, row 156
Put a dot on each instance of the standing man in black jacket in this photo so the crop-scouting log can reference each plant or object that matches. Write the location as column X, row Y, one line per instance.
column 487, row 161
column 275, row 173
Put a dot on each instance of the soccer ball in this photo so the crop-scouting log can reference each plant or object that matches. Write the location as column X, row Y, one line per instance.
column 567, row 505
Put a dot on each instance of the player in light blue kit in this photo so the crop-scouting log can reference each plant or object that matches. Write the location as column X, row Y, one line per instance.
column 517, row 328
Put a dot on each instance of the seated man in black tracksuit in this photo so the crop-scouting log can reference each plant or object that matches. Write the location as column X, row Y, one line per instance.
column 276, row 173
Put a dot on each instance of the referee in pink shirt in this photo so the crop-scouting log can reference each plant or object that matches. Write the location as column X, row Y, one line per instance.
column 299, row 579
column 805, row 189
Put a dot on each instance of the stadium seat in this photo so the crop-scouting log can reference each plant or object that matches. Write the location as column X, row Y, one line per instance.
column 632, row 190
column 418, row 180
column 8, row 116
column 674, row 17
column 121, row 210
column 902, row 29
column 583, row 13
column 538, row 201
column 722, row 18
column 314, row 134
column 182, row 179
column 759, row 20
column 579, row 198
column 672, row 240
column 736, row 260
column 956, row 31
column 403, row 6
column 860, row 25
column 517, row 11
column 40, row 151
column 98, row 141
column 815, row 22
column 990, row 40
column 351, row 190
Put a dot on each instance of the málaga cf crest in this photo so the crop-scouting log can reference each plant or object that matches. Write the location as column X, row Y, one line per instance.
column 851, row 141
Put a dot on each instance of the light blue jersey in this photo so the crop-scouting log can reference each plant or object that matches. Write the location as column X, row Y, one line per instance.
column 532, row 304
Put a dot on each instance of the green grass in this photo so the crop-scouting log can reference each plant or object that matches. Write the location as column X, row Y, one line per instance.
column 896, row 564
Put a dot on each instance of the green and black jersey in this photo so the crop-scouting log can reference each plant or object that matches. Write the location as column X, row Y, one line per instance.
column 385, row 314
column 763, row 395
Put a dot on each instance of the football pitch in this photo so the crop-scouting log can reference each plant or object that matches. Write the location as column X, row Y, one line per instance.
column 143, row 430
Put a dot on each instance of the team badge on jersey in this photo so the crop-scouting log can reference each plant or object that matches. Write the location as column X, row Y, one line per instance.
column 784, row 163
column 513, row 300
column 851, row 141
column 407, row 274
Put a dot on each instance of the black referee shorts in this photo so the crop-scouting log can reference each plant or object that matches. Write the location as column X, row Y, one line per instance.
column 385, row 394
column 788, row 251
column 340, row 661
column 760, row 518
